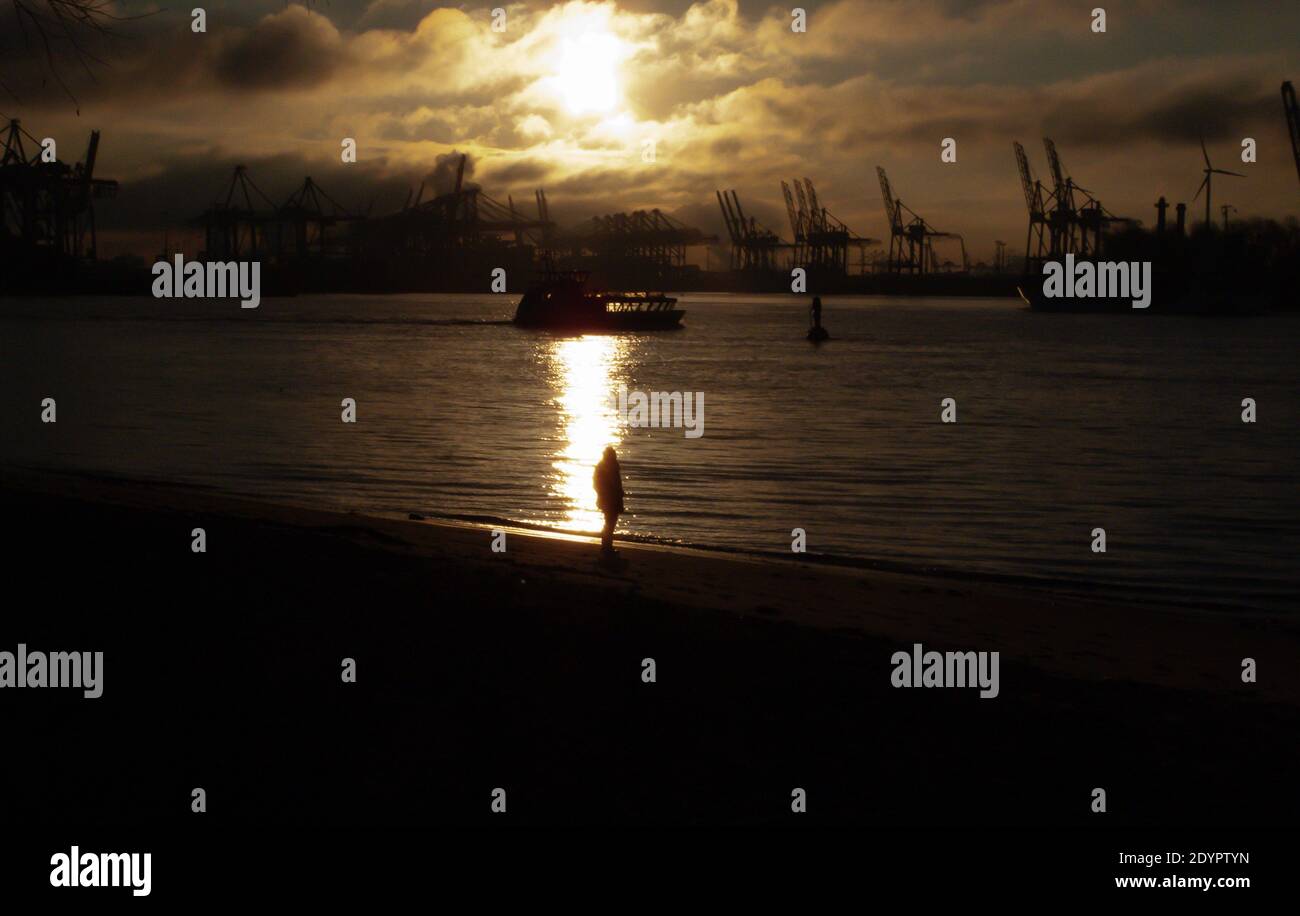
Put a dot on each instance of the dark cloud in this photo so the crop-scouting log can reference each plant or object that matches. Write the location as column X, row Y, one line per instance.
column 727, row 146
column 291, row 49
column 968, row 9
column 433, row 128
column 1215, row 112
column 931, row 130
column 157, row 55
column 520, row 171
column 593, row 182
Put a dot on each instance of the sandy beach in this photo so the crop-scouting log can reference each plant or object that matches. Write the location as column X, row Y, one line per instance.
column 523, row 670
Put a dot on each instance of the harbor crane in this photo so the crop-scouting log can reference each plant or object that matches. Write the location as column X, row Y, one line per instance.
column 821, row 241
column 47, row 207
column 1063, row 219
column 646, row 237
column 911, row 238
column 1037, row 249
column 753, row 246
column 1076, row 220
column 243, row 226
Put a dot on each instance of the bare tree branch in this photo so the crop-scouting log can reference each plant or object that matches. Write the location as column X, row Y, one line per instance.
column 65, row 26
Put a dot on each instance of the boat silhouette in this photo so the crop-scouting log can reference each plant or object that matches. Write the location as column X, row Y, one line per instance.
column 562, row 301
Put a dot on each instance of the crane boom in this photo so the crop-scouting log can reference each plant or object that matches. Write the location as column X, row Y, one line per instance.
column 815, row 209
column 1054, row 163
column 891, row 212
column 790, row 210
column 804, row 216
column 726, row 216
column 740, row 214
column 1032, row 200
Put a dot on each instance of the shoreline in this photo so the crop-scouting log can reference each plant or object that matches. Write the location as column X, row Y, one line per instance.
column 525, row 669
column 1060, row 634
column 1080, row 590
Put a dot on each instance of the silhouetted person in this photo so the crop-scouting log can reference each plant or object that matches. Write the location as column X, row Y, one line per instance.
column 608, row 481
column 816, row 311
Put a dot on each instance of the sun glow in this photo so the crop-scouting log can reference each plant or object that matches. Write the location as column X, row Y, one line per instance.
column 587, row 74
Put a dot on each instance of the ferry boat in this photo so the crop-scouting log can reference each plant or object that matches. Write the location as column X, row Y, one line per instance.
column 562, row 302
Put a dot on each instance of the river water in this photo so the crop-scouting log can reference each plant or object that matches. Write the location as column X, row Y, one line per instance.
column 1064, row 424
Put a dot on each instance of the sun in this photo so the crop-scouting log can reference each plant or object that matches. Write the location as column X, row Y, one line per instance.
column 587, row 77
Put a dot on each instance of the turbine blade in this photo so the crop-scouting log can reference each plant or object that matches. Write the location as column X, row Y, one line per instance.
column 1222, row 172
column 1205, row 154
column 1204, row 182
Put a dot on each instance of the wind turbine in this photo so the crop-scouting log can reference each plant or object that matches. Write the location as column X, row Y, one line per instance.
column 1206, row 185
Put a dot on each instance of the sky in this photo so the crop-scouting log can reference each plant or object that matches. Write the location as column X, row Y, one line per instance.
column 567, row 96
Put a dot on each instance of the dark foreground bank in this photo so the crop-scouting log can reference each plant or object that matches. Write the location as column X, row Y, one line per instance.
column 523, row 671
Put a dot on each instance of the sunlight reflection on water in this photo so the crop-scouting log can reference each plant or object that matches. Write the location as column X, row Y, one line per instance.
column 585, row 370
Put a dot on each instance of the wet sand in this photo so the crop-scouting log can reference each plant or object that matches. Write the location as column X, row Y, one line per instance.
column 522, row 670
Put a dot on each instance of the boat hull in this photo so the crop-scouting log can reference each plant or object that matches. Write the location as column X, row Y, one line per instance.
column 609, row 322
